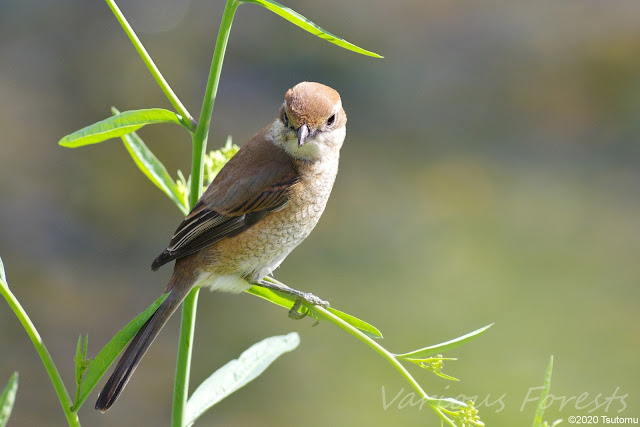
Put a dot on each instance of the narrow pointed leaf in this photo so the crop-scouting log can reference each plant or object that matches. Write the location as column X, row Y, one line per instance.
column 79, row 360
column 445, row 376
column 82, row 363
column 119, row 125
column 8, row 398
column 302, row 22
column 101, row 363
column 370, row 330
column 448, row 402
column 287, row 301
column 152, row 167
column 537, row 421
column 444, row 347
column 237, row 373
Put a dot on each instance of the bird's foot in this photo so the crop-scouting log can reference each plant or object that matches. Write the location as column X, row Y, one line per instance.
column 300, row 297
column 294, row 313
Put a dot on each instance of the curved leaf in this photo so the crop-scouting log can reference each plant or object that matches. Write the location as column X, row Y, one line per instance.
column 445, row 346
column 110, row 352
column 365, row 327
column 542, row 401
column 237, row 373
column 152, row 167
column 8, row 398
column 302, row 22
column 119, row 125
column 287, row 301
column 80, row 359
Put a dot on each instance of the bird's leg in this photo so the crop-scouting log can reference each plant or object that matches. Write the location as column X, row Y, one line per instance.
column 306, row 296
column 300, row 296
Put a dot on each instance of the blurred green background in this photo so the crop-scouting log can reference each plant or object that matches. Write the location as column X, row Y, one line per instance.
column 490, row 174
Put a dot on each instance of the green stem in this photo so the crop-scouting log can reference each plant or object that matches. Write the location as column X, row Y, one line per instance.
column 371, row 343
column 183, row 365
column 388, row 356
column 187, row 326
column 155, row 72
column 202, row 131
column 47, row 361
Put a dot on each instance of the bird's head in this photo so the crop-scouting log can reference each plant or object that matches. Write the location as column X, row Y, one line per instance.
column 312, row 122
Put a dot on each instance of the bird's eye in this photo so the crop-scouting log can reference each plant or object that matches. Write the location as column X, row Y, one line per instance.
column 285, row 119
column 331, row 120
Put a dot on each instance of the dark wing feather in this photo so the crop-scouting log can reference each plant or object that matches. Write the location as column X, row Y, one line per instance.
column 254, row 183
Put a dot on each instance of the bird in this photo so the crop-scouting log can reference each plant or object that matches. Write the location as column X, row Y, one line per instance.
column 262, row 204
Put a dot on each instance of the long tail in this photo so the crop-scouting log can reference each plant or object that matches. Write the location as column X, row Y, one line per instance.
column 141, row 342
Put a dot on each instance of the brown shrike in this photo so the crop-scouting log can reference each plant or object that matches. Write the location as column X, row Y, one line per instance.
column 264, row 202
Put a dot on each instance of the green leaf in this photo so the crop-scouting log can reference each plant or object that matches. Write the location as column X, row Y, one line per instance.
column 80, row 358
column 82, row 363
column 237, row 373
column 152, row 167
column 444, row 347
column 110, row 352
column 302, row 22
column 445, row 376
column 8, row 398
column 287, row 301
column 369, row 330
column 119, row 125
column 448, row 402
column 537, row 421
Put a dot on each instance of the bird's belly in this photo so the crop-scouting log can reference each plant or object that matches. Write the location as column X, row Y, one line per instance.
column 264, row 246
column 257, row 251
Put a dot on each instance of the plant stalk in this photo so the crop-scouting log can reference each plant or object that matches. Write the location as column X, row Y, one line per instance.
column 187, row 325
column 155, row 72
column 204, row 122
column 321, row 312
column 183, row 364
column 389, row 357
column 47, row 361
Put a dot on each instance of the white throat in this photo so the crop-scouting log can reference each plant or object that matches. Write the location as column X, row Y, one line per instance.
column 321, row 146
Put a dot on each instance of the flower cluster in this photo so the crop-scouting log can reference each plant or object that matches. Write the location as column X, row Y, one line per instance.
column 213, row 163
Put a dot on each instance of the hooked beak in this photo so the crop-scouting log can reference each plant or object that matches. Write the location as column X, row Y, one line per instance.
column 303, row 133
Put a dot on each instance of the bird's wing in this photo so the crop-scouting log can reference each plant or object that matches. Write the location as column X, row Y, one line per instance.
column 254, row 183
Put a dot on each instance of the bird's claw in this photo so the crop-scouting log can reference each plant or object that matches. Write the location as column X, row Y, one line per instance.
column 311, row 299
